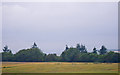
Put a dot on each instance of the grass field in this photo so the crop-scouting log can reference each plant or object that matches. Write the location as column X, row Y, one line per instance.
column 58, row 67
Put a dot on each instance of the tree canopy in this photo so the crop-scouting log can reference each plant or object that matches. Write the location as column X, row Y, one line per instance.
column 77, row 54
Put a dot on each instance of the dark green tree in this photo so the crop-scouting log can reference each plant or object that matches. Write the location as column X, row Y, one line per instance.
column 78, row 54
column 5, row 49
column 81, row 57
column 103, row 50
column 78, row 46
column 68, row 55
column 83, row 49
column 34, row 45
column 52, row 58
column 94, row 50
column 7, row 54
column 30, row 55
column 111, row 57
column 66, row 47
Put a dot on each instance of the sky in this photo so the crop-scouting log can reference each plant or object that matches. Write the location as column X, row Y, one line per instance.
column 52, row 25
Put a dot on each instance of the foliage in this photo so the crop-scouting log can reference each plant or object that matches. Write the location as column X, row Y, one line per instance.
column 69, row 55
column 82, row 48
column 32, row 54
column 5, row 49
column 66, row 47
column 7, row 56
column 111, row 57
column 94, row 50
column 52, row 58
column 34, row 45
column 78, row 54
column 103, row 50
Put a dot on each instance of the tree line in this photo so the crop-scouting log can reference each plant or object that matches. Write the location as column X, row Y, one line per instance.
column 77, row 54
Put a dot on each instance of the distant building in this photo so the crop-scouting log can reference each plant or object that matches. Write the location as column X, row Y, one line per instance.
column 114, row 50
column 117, row 51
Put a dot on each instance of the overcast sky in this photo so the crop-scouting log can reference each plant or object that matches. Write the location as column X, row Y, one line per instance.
column 53, row 25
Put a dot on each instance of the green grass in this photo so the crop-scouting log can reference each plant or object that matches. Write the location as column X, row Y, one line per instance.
column 58, row 67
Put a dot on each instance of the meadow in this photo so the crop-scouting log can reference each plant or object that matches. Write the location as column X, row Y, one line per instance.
column 58, row 67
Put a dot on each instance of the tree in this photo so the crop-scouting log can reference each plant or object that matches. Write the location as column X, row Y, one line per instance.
column 111, row 57
column 68, row 55
column 78, row 54
column 66, row 47
column 103, row 50
column 78, row 46
column 94, row 50
column 51, row 58
column 30, row 55
column 83, row 49
column 5, row 49
column 7, row 56
column 81, row 57
column 34, row 45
